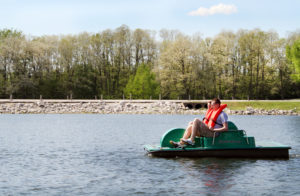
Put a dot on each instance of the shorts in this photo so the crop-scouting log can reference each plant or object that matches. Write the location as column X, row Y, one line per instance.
column 204, row 131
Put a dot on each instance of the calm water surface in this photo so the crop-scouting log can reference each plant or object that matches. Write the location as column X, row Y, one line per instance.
column 103, row 155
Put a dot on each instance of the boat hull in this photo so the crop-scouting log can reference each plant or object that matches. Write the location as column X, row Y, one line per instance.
column 226, row 153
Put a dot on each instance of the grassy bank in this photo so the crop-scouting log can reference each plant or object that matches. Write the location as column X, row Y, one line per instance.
column 267, row 105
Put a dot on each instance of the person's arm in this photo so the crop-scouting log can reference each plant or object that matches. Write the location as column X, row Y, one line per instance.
column 224, row 128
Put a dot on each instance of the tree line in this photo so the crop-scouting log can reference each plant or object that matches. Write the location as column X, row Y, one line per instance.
column 248, row 64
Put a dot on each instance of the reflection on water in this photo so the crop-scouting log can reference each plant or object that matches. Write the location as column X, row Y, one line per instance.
column 103, row 155
column 293, row 156
column 214, row 175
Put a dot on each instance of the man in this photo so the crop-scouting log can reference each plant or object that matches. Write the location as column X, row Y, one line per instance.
column 216, row 121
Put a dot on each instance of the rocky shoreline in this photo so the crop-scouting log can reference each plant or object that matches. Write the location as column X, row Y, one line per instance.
column 120, row 107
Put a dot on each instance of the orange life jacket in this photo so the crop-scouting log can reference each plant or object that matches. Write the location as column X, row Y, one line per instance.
column 207, row 115
column 212, row 115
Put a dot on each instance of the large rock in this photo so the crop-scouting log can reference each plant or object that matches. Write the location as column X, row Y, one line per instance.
column 122, row 103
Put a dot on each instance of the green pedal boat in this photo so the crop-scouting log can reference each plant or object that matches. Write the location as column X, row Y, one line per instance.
column 231, row 143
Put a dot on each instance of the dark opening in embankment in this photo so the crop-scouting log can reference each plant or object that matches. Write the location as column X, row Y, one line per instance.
column 195, row 105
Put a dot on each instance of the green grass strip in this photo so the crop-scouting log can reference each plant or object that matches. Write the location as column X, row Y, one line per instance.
column 277, row 105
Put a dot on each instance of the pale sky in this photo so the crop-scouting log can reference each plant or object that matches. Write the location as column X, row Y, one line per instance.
column 208, row 17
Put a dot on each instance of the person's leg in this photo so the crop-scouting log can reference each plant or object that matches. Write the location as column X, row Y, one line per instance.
column 200, row 129
column 186, row 135
column 195, row 129
column 188, row 131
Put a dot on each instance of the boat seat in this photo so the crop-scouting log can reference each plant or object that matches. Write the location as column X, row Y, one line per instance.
column 230, row 138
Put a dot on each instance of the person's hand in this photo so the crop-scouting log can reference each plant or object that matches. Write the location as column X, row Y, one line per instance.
column 208, row 105
column 211, row 128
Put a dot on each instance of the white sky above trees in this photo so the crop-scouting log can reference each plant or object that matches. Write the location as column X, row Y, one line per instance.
column 208, row 17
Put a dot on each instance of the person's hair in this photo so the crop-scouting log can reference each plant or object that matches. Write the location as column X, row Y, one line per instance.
column 216, row 100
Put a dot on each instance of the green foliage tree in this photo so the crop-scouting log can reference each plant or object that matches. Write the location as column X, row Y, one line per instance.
column 83, row 82
column 143, row 84
column 293, row 54
column 176, row 68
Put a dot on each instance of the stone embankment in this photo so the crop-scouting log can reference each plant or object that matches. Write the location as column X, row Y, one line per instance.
column 118, row 107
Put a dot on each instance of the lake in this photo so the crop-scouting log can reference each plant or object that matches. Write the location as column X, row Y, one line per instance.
column 86, row 154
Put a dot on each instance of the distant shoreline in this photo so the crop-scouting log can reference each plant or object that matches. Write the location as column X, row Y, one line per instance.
column 235, row 107
column 137, row 100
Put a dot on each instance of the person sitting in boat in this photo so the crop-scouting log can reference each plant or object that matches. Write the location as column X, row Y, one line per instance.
column 215, row 121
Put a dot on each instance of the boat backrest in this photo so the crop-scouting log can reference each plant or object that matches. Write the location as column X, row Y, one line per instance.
column 232, row 126
column 172, row 134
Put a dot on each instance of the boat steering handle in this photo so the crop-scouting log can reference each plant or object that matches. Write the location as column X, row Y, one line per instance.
column 246, row 136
